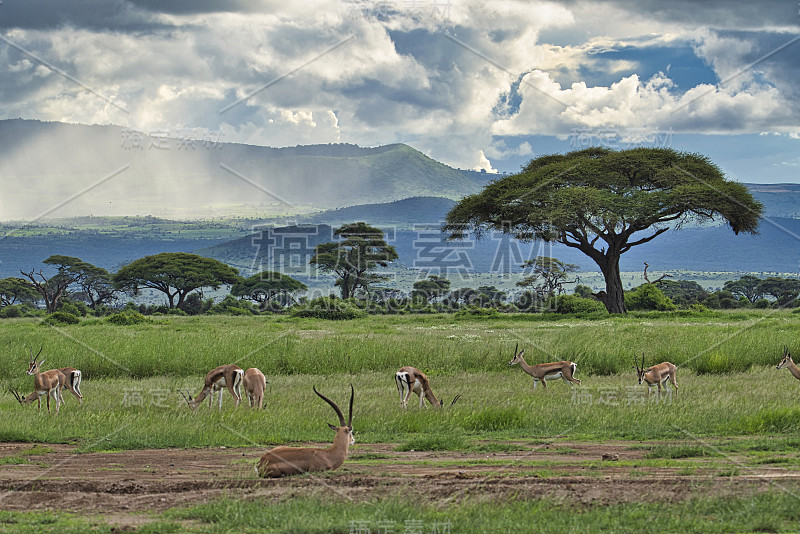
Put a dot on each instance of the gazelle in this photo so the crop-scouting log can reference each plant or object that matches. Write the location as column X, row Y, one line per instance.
column 285, row 461
column 541, row 372
column 656, row 375
column 410, row 379
column 48, row 384
column 254, row 383
column 225, row 376
column 788, row 363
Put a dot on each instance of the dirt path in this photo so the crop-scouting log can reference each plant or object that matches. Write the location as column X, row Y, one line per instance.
column 122, row 484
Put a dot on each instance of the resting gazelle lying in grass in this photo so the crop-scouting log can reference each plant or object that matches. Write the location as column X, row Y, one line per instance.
column 285, row 461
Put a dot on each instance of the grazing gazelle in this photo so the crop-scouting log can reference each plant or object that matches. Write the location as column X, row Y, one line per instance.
column 410, row 379
column 285, row 461
column 656, row 375
column 254, row 385
column 541, row 372
column 788, row 363
column 225, row 376
column 48, row 384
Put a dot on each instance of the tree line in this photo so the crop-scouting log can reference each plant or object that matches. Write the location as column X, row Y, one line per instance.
column 599, row 201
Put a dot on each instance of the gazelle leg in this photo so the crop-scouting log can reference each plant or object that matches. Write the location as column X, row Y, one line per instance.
column 219, row 394
column 236, row 391
column 422, row 401
column 77, row 388
column 399, row 383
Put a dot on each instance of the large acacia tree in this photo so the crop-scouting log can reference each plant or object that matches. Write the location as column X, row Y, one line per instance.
column 176, row 274
column 354, row 258
column 605, row 202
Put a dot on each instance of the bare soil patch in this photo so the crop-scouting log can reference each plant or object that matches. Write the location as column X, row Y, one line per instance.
column 122, row 485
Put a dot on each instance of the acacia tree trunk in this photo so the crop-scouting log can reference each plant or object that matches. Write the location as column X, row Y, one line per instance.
column 614, row 296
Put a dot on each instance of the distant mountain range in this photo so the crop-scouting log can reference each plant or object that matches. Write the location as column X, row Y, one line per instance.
column 184, row 174
column 394, row 187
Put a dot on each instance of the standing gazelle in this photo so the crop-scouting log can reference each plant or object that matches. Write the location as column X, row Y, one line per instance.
column 656, row 375
column 254, row 383
column 541, row 372
column 225, row 376
column 48, row 384
column 408, row 380
column 285, row 461
column 788, row 363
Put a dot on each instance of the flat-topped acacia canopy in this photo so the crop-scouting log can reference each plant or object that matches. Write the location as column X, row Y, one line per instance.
column 604, row 202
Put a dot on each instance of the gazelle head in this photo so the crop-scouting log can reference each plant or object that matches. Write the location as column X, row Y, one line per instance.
column 640, row 371
column 441, row 402
column 16, row 395
column 33, row 367
column 787, row 358
column 517, row 356
column 189, row 400
column 343, row 427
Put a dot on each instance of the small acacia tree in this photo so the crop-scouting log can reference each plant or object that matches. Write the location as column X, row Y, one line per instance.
column 604, row 202
column 71, row 270
column 176, row 274
column 353, row 259
column 552, row 272
column 267, row 285
column 748, row 286
column 14, row 290
column 431, row 288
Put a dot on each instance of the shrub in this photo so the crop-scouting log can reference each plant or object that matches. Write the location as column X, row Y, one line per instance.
column 60, row 318
column 573, row 304
column 648, row 297
column 76, row 308
column 761, row 304
column 193, row 304
column 127, row 319
column 9, row 312
column 327, row 308
column 230, row 305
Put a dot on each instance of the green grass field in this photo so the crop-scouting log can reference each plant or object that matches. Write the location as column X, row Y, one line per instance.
column 729, row 388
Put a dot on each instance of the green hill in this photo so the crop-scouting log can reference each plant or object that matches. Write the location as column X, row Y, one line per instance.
column 121, row 172
column 408, row 211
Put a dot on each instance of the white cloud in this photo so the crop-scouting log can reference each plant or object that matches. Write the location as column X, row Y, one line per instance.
column 400, row 78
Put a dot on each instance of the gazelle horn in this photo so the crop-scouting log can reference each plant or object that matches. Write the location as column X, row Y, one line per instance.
column 16, row 395
column 188, row 400
column 333, row 405
column 455, row 399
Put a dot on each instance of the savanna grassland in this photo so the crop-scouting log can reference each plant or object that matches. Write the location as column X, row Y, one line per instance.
column 721, row 455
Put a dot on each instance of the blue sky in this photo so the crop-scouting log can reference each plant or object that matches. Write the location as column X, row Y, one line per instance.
column 474, row 84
